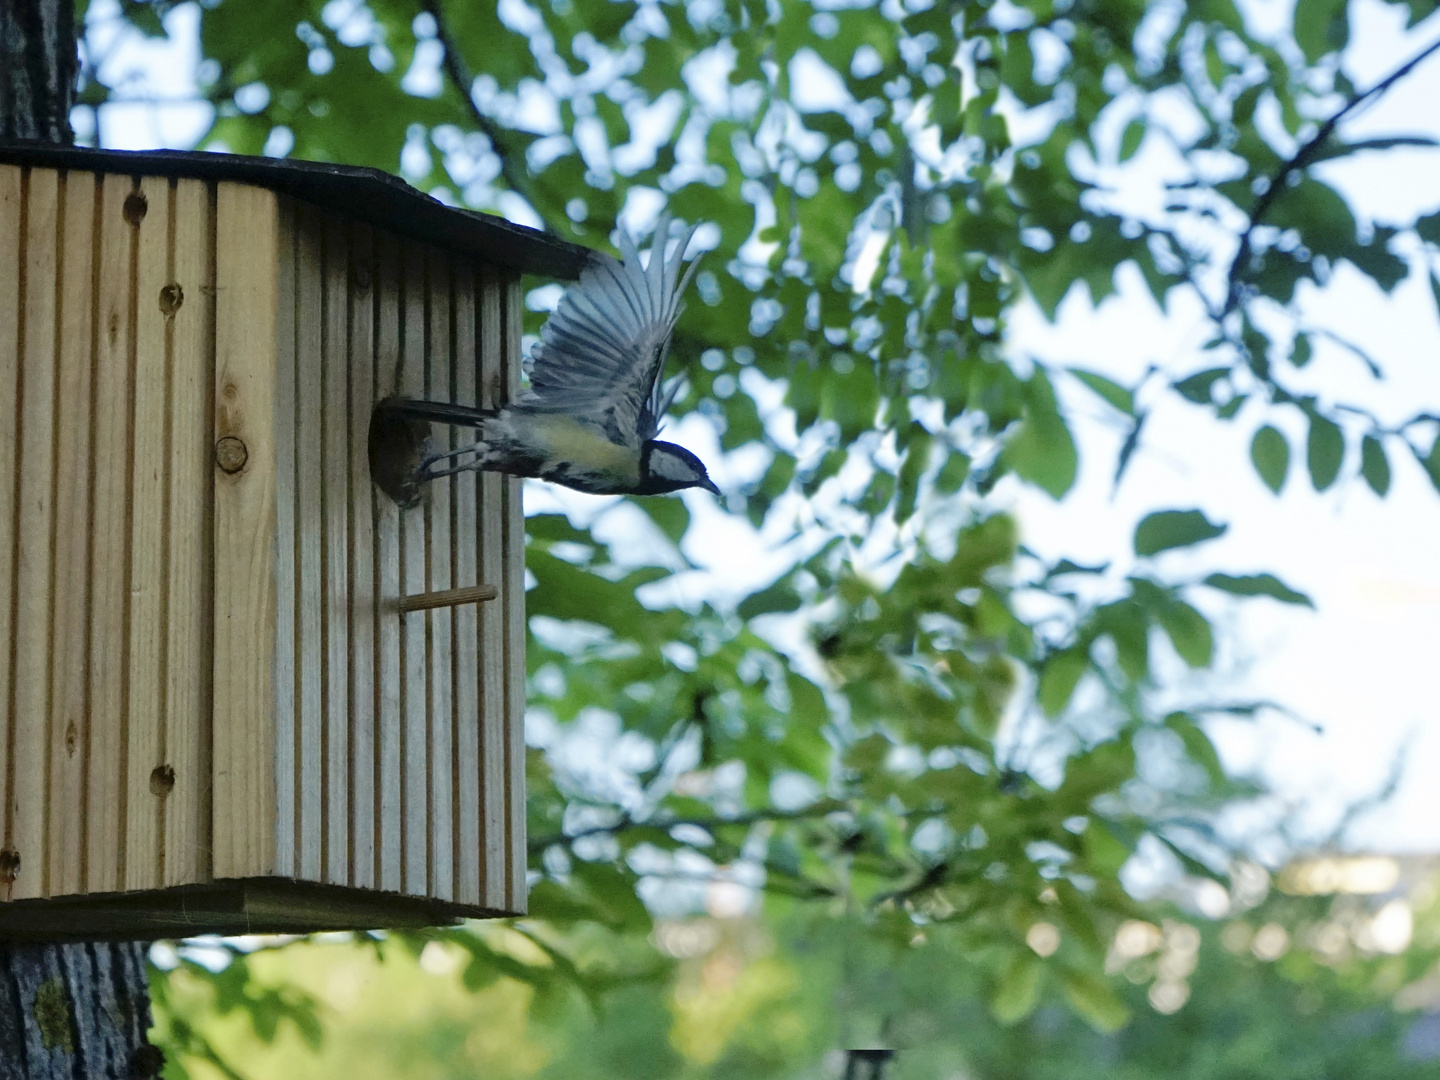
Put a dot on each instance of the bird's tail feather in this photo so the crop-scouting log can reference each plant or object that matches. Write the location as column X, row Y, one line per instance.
column 438, row 412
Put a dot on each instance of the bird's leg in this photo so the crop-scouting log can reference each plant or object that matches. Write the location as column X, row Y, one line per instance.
column 427, row 471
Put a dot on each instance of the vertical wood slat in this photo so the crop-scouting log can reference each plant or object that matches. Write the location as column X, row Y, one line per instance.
column 333, row 419
column 245, row 362
column 513, row 591
column 286, row 704
column 11, row 269
column 34, row 505
column 415, row 669
column 363, row 609
column 468, row 883
column 441, row 630
column 493, row 623
column 387, row 558
column 309, row 584
column 65, row 838
column 189, row 620
column 149, row 469
column 109, row 539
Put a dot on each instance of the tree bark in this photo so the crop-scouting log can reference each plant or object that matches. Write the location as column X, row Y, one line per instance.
column 78, row 1011
column 37, row 69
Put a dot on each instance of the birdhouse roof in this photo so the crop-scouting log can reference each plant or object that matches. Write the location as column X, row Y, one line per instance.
column 368, row 195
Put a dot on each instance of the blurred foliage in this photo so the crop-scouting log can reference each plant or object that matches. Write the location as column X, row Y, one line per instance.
column 920, row 741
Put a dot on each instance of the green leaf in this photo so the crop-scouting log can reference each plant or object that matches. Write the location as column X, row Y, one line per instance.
column 1300, row 353
column 1110, row 391
column 1374, row 465
column 1320, row 27
column 1324, row 450
column 778, row 597
column 1018, row 990
column 1199, row 387
column 1431, row 463
column 1131, row 139
column 1198, row 746
column 1271, row 455
column 1058, row 680
column 1095, row 999
column 1166, row 529
column 1258, row 585
column 1042, row 450
column 1189, row 632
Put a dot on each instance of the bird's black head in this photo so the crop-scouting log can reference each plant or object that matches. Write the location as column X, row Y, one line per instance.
column 666, row 467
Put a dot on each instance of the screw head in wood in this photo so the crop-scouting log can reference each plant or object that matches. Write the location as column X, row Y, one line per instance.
column 231, row 454
column 171, row 297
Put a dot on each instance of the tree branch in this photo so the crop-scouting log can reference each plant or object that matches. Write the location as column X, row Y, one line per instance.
column 517, row 178
column 625, row 823
column 1303, row 158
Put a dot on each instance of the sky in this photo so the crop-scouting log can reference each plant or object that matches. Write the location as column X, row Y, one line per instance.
column 1361, row 667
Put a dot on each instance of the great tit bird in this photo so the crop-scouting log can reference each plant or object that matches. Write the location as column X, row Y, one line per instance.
column 590, row 417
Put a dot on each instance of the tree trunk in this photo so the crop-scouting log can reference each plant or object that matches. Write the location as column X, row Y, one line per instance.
column 37, row 69
column 67, row 1012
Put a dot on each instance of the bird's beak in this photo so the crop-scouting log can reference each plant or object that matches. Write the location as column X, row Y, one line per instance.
column 709, row 485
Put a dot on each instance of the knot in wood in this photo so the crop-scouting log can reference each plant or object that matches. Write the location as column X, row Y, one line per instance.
column 135, row 207
column 171, row 297
column 162, row 781
column 231, row 454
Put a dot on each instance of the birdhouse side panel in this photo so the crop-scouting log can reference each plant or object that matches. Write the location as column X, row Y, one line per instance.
column 104, row 377
column 394, row 732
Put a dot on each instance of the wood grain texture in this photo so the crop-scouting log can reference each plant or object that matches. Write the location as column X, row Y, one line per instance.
column 515, row 630
column 245, row 362
column 69, row 658
column 149, row 483
column 415, row 668
column 309, row 538
column 494, row 621
column 334, row 419
column 363, row 610
column 105, row 743
column 189, row 618
column 31, row 643
column 389, row 718
column 467, row 619
column 439, row 386
column 11, row 275
column 286, row 702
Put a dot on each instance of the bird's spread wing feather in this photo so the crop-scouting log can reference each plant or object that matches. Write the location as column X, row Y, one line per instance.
column 600, row 355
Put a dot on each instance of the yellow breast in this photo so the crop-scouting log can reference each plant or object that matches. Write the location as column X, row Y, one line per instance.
column 564, row 440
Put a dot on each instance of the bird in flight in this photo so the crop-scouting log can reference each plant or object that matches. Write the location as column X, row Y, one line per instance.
column 590, row 417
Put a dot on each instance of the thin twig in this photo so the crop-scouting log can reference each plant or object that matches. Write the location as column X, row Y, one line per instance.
column 1301, row 159
column 516, row 176
column 626, row 823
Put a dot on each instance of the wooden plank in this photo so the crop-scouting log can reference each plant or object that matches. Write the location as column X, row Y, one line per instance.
column 467, row 619
column 440, row 387
column 309, row 518
column 69, row 655
column 515, row 626
column 493, row 622
column 149, row 484
column 334, row 420
column 246, row 257
column 287, row 775
column 363, row 609
column 389, row 720
column 414, row 638
column 35, row 511
column 109, row 545
column 11, row 276
column 189, row 620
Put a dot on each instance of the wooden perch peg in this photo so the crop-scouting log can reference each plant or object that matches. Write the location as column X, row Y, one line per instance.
column 471, row 594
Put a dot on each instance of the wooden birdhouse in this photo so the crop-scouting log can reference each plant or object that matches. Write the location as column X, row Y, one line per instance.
column 241, row 689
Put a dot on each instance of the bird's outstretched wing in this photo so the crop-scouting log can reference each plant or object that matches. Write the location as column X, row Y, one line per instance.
column 600, row 355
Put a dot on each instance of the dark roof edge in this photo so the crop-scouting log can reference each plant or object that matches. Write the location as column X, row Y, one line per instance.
column 368, row 195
